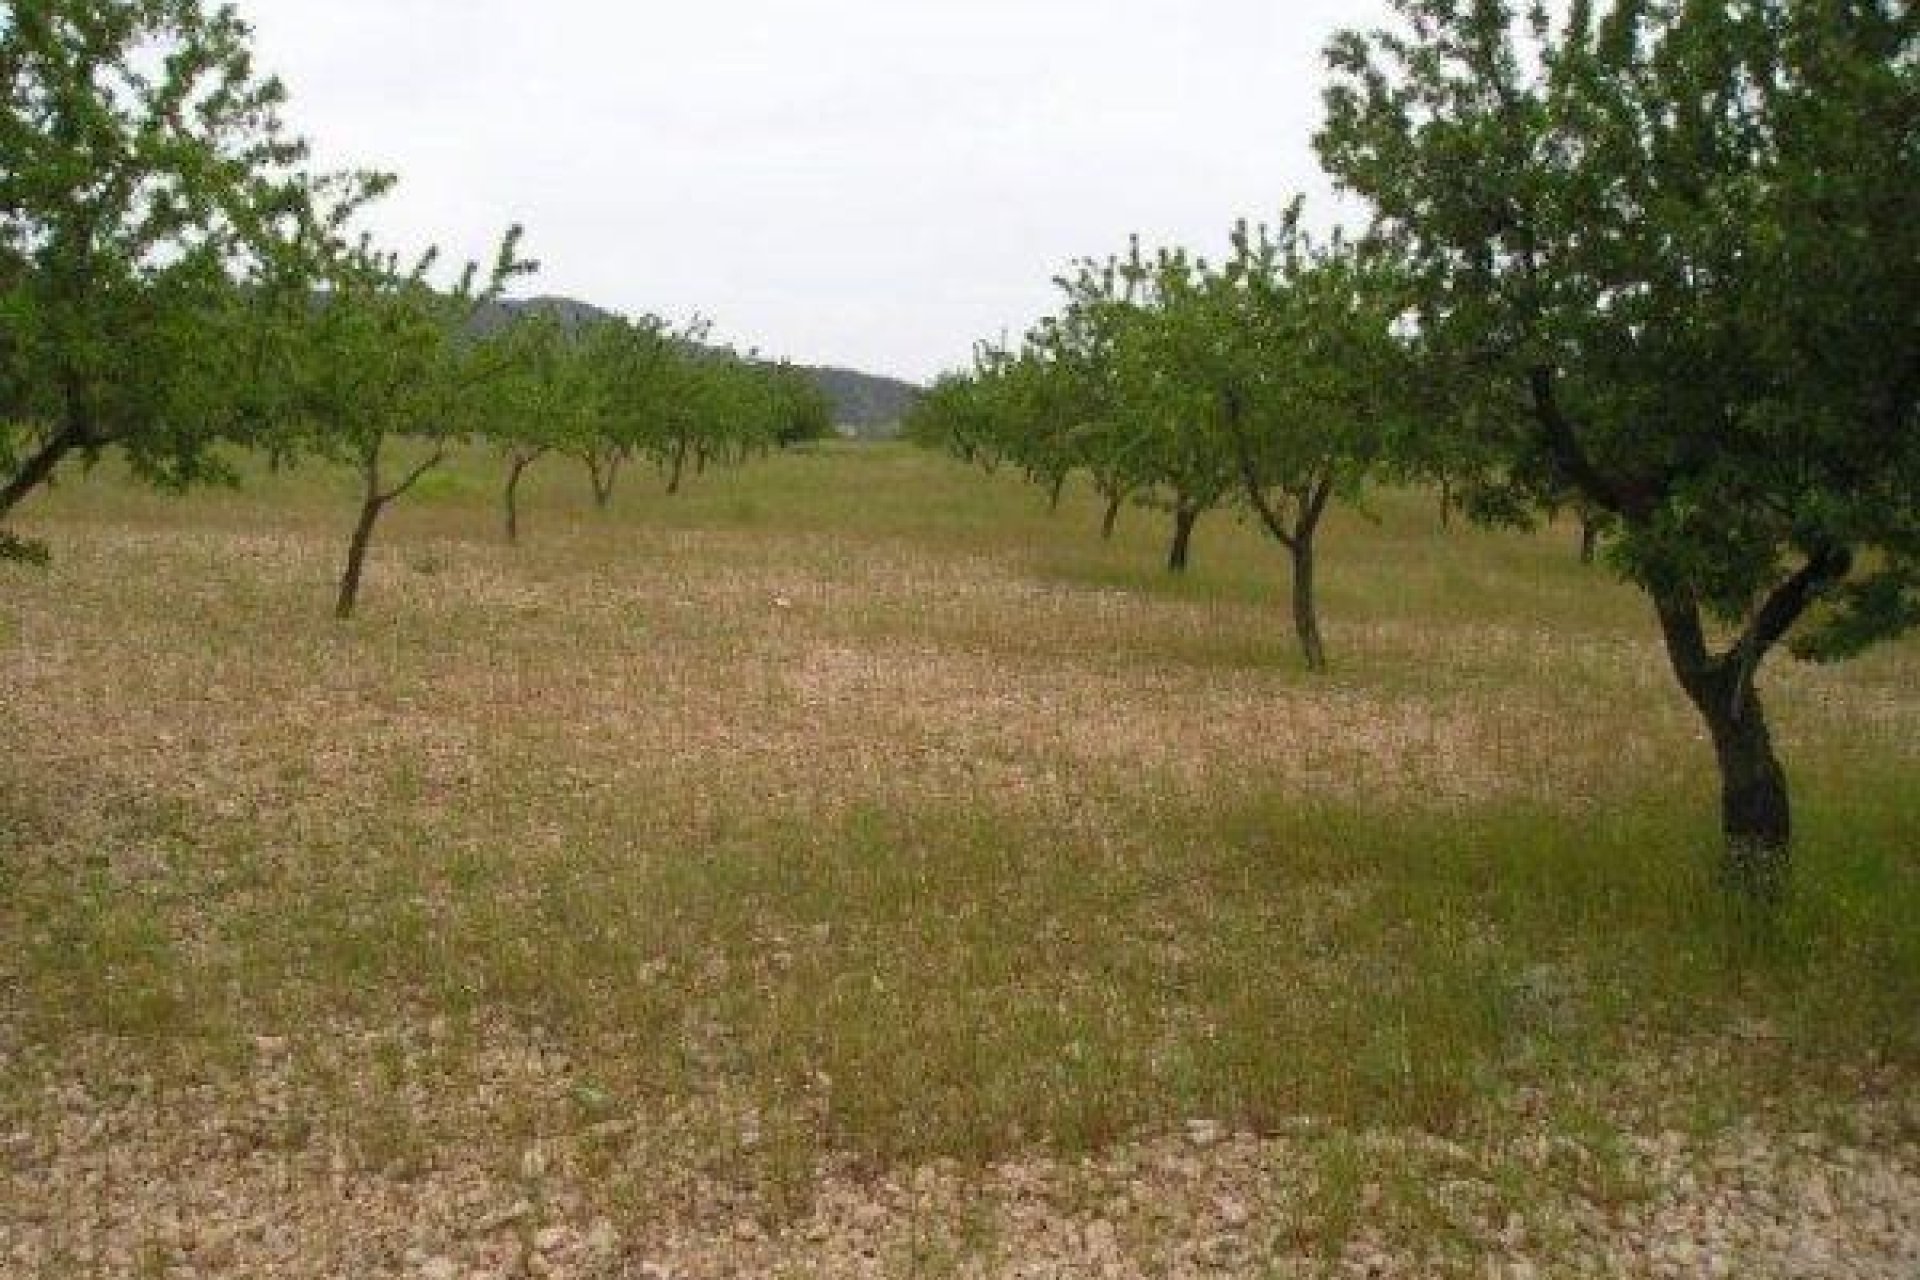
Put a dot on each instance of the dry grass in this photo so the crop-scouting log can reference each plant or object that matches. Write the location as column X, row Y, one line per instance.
column 850, row 815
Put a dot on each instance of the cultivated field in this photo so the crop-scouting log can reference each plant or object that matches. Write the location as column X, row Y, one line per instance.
column 847, row 868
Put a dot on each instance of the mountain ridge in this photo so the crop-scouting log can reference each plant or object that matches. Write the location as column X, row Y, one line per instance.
column 868, row 405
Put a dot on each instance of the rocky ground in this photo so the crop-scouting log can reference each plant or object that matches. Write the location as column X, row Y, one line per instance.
column 183, row 1182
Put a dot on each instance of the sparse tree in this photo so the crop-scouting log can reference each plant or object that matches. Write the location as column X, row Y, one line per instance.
column 1164, row 445
column 803, row 411
column 386, row 357
column 543, row 399
column 1296, row 341
column 630, row 367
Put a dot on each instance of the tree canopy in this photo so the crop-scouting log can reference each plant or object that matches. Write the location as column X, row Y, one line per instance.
column 155, row 216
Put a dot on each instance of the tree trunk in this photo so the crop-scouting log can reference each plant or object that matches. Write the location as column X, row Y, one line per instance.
column 603, row 472
column 37, row 470
column 516, row 467
column 679, row 467
column 1306, row 616
column 1112, row 517
column 357, row 556
column 1183, row 522
column 1446, row 504
column 1589, row 538
column 1053, row 495
column 1755, row 812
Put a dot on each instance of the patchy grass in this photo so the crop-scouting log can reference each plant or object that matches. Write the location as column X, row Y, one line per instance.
column 851, row 811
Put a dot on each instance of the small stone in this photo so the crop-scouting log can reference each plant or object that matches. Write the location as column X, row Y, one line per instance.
column 610, row 1130
column 1203, row 1133
column 518, row 1211
column 1234, row 1213
column 603, row 1241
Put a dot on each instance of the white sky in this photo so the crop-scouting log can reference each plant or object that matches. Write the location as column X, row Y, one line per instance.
column 857, row 182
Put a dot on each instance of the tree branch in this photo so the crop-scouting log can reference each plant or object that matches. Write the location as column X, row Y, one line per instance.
column 1317, row 503
column 1563, row 442
column 1250, row 475
column 34, row 471
column 1788, row 602
column 1686, row 641
column 433, row 460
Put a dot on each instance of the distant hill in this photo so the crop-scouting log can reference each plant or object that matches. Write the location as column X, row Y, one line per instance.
column 865, row 404
column 868, row 404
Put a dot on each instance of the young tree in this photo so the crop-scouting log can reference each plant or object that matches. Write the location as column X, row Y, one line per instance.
column 542, row 400
column 154, row 219
column 1297, row 341
column 630, row 366
column 802, row 411
column 385, row 356
column 957, row 415
column 1082, row 395
column 1684, row 240
column 1163, row 397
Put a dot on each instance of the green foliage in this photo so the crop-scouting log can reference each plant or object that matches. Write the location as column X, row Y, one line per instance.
column 155, row 221
column 1275, row 377
column 803, row 412
column 383, row 353
column 1668, row 256
column 1666, row 261
column 613, row 389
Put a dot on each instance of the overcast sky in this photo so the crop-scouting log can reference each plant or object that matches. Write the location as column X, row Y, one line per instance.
column 873, row 183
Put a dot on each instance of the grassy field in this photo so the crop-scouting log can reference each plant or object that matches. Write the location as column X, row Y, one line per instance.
column 849, row 843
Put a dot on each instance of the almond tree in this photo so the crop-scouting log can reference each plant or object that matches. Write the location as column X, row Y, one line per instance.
column 1162, row 401
column 1678, row 245
column 1297, row 341
column 1076, row 348
column 802, row 411
column 155, row 220
column 629, row 366
column 958, row 415
column 542, row 400
column 385, row 357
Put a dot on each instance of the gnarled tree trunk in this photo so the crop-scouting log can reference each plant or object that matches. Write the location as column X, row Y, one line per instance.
column 1755, row 811
column 1756, row 815
column 1111, row 518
